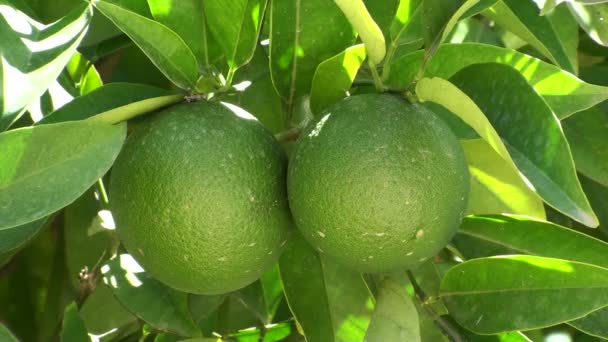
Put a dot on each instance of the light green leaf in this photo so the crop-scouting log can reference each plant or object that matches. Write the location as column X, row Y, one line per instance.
column 297, row 45
column 187, row 18
column 6, row 335
column 73, row 328
column 330, row 302
column 369, row 32
column 32, row 57
column 554, row 35
column 334, row 77
column 105, row 98
column 468, row 9
column 165, row 48
column 41, row 174
column 406, row 32
column 529, row 293
column 531, row 133
column 235, row 25
column 395, row 317
column 586, row 133
column 592, row 19
column 563, row 92
column 504, row 234
column 158, row 305
column 496, row 187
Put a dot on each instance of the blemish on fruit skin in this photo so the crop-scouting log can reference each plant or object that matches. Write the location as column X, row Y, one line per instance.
column 380, row 234
column 370, row 257
column 269, row 253
column 419, row 234
column 221, row 259
column 321, row 234
column 141, row 251
column 283, row 243
column 320, row 250
column 410, row 253
column 252, row 244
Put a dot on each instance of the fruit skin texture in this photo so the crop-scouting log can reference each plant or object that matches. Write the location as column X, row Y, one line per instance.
column 198, row 195
column 378, row 183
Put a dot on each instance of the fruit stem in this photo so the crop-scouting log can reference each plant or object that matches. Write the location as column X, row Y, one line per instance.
column 126, row 112
column 446, row 327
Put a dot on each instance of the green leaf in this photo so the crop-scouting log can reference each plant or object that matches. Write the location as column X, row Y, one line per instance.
column 165, row 48
column 6, row 335
column 330, row 302
column 592, row 20
column 406, row 32
column 436, row 14
column 496, row 187
column 532, row 135
column 334, row 77
column 363, row 23
column 83, row 74
column 187, row 18
column 297, row 45
column 586, row 133
column 503, row 234
column 554, row 35
column 383, row 13
column 395, row 317
column 73, row 325
column 101, row 313
column 529, row 293
column 41, row 174
column 562, row 91
column 105, row 98
column 27, row 62
column 593, row 324
column 468, row 9
column 235, row 25
column 158, row 305
column 13, row 238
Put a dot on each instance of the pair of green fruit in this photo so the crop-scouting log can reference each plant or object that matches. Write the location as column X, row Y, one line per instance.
column 200, row 199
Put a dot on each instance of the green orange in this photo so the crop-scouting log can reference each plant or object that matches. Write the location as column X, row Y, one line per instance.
column 378, row 183
column 198, row 195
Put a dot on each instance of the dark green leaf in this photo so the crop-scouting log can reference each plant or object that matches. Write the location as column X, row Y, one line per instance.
column 496, row 187
column 502, row 234
column 594, row 324
column 101, row 313
column 330, row 302
column 406, row 32
column 235, row 25
column 529, row 293
column 334, row 77
column 383, row 13
column 158, row 305
column 6, row 335
column 188, row 19
column 436, row 14
column 297, row 45
column 531, row 133
column 73, row 326
column 28, row 64
column 369, row 32
column 564, row 93
column 107, row 97
column 586, row 133
column 395, row 317
column 15, row 237
column 41, row 174
column 164, row 47
column 554, row 35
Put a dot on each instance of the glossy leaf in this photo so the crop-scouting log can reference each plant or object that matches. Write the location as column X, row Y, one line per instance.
column 532, row 135
column 586, row 133
column 383, row 13
column 13, row 238
column 6, row 335
column 395, row 317
column 107, row 97
column 73, row 326
column 41, row 174
column 554, row 35
column 188, row 19
column 334, row 77
column 363, row 23
column 158, row 305
column 165, row 48
column 468, row 9
column 235, row 25
column 330, row 302
column 563, row 92
column 592, row 19
column 297, row 45
column 436, row 14
column 406, row 32
column 495, row 186
column 503, row 234
column 101, row 313
column 530, row 292
column 27, row 62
